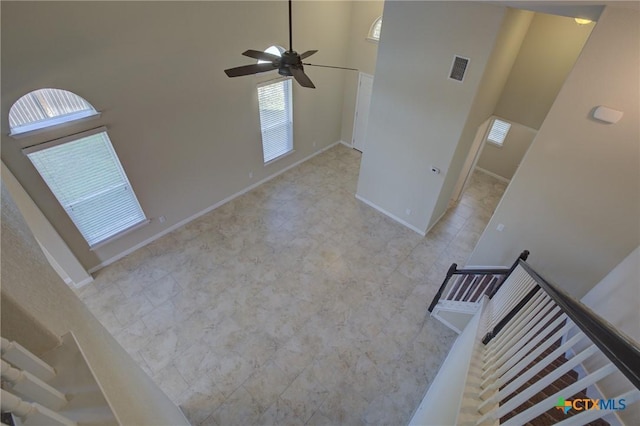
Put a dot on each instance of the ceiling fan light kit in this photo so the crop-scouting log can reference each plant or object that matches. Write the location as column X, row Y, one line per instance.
column 289, row 64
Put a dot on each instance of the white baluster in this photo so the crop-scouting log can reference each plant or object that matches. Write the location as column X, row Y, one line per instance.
column 527, row 317
column 25, row 360
column 31, row 413
column 551, row 401
column 513, row 347
column 535, row 369
column 506, row 373
column 33, row 388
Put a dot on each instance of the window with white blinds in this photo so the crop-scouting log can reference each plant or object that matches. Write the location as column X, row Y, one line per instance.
column 85, row 175
column 276, row 118
column 45, row 108
column 498, row 132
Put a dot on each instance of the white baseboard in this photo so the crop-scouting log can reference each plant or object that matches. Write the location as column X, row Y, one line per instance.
column 392, row 216
column 205, row 211
column 437, row 220
column 83, row 282
column 487, row 172
column 348, row 145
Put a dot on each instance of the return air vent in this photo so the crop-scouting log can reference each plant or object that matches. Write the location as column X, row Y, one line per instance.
column 458, row 68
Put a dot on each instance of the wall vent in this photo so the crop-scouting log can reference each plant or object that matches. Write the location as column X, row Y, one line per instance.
column 458, row 68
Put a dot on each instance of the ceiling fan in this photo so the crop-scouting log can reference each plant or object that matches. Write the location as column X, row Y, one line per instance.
column 289, row 64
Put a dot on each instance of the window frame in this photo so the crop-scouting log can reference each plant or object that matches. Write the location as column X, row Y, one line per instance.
column 289, row 104
column 76, row 137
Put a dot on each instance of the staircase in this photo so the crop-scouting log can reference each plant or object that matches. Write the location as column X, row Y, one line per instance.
column 56, row 389
column 554, row 415
column 462, row 290
column 528, row 355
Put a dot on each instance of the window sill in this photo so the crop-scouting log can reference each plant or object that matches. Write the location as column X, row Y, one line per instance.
column 53, row 124
column 120, row 234
column 286, row 154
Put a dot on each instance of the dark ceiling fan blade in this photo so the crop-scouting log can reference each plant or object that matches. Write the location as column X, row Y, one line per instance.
column 330, row 66
column 249, row 69
column 307, row 54
column 263, row 56
column 301, row 77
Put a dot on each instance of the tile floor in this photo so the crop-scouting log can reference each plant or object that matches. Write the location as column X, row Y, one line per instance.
column 293, row 304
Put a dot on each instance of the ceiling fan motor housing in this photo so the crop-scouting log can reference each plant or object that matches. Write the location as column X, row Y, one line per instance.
column 289, row 59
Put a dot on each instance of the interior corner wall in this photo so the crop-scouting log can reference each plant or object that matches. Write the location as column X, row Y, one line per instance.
column 361, row 55
column 549, row 50
column 31, row 289
column 186, row 134
column 574, row 202
column 513, row 31
column 417, row 113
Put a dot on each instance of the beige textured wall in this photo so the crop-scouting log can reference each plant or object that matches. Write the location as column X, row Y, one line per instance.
column 187, row 135
column 548, row 52
column 417, row 113
column 575, row 200
column 32, row 289
column 362, row 55
column 504, row 160
column 512, row 32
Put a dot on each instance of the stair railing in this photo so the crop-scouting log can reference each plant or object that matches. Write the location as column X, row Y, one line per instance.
column 537, row 336
column 469, row 285
column 25, row 391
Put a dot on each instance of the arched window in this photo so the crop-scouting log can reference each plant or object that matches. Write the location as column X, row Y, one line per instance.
column 44, row 108
column 274, row 50
column 374, row 31
column 82, row 170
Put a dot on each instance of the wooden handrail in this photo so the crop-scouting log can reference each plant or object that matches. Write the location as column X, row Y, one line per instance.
column 453, row 270
column 621, row 350
column 436, row 298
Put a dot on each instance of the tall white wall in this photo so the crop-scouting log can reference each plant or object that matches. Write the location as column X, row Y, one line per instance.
column 513, row 30
column 617, row 297
column 547, row 54
column 417, row 114
column 37, row 304
column 361, row 55
column 187, row 135
column 575, row 200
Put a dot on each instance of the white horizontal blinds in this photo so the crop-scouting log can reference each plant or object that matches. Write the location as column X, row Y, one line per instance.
column 499, row 131
column 276, row 121
column 86, row 177
column 44, row 104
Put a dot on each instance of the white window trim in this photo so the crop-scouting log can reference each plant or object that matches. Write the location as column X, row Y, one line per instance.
column 54, row 124
column 50, row 144
column 76, row 136
column 292, row 150
column 120, row 234
column 280, row 157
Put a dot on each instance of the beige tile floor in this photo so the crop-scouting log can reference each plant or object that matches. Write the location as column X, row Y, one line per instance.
column 293, row 304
